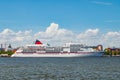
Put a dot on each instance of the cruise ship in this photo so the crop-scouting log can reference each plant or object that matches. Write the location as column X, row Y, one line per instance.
column 38, row 49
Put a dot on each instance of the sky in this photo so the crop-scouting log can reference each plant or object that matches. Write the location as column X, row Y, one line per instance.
column 90, row 22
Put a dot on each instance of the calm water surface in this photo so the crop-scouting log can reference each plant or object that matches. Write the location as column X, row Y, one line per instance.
column 88, row 68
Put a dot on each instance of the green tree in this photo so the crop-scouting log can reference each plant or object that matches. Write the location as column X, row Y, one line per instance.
column 6, row 52
column 9, row 53
column 107, row 52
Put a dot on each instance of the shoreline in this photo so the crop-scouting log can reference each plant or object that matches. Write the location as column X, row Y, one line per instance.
column 111, row 55
column 5, row 55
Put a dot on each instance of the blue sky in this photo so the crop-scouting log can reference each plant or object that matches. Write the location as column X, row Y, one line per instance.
column 76, row 15
column 39, row 17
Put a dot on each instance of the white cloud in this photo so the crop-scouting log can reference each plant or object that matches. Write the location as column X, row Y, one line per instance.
column 93, row 31
column 89, row 33
column 113, row 34
column 52, row 28
column 55, row 34
column 102, row 3
column 112, row 21
column 6, row 31
column 112, row 39
column 9, row 36
column 19, row 38
column 54, row 31
column 58, row 36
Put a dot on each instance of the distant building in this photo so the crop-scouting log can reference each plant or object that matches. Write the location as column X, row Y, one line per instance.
column 9, row 48
column 113, row 51
column 2, row 49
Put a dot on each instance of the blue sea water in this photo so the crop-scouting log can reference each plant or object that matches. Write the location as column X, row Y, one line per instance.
column 86, row 68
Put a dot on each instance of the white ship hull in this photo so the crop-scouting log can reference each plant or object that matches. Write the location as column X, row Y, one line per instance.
column 82, row 54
